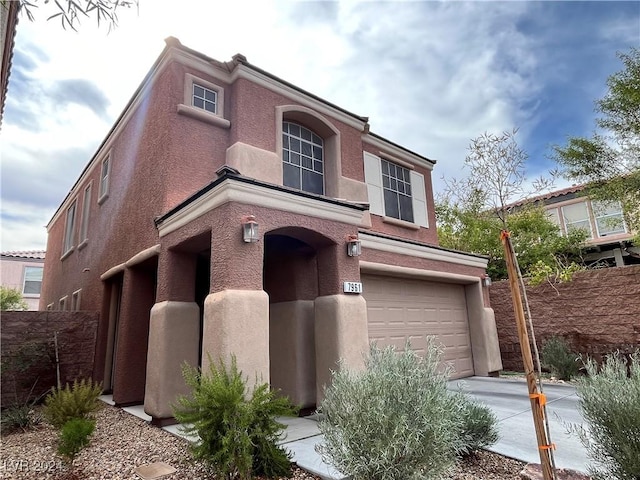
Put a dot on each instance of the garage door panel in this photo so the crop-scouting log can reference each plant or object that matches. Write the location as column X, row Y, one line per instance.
column 401, row 310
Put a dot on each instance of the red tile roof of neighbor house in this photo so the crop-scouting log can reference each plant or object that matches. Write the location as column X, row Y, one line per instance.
column 546, row 196
column 38, row 254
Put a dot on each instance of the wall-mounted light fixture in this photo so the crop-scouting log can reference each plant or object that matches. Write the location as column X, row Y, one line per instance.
column 486, row 280
column 354, row 249
column 249, row 229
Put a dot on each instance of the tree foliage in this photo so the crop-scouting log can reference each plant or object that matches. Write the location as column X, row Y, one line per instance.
column 70, row 12
column 11, row 299
column 472, row 211
column 609, row 162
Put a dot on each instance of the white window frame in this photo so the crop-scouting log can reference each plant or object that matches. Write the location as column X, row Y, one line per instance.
column 587, row 219
column 187, row 108
column 24, row 281
column 596, row 217
column 373, row 179
column 313, row 143
column 62, row 303
column 104, row 178
column 50, row 307
column 69, row 228
column 84, row 221
column 75, row 300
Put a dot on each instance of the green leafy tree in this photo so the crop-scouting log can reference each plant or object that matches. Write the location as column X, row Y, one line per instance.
column 11, row 299
column 609, row 162
column 472, row 211
column 70, row 12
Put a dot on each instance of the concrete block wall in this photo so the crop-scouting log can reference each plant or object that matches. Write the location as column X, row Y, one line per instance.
column 29, row 334
column 598, row 312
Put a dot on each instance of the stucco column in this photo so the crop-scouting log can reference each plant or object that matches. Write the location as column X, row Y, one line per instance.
column 236, row 322
column 174, row 334
column 341, row 334
column 483, row 332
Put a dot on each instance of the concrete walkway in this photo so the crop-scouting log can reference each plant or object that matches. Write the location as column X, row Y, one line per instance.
column 508, row 399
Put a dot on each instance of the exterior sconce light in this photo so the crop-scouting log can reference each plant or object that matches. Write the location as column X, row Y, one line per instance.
column 249, row 229
column 486, row 280
column 354, row 249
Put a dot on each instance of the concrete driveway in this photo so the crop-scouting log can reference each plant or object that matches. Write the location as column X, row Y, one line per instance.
column 509, row 400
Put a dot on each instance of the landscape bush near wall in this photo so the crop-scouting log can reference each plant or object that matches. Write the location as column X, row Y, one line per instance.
column 598, row 312
column 28, row 356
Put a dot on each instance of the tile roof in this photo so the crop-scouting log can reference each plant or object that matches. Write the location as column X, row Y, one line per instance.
column 38, row 254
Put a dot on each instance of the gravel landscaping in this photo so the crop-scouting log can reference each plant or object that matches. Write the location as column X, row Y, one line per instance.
column 122, row 442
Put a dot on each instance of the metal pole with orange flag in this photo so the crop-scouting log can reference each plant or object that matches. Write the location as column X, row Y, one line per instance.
column 538, row 400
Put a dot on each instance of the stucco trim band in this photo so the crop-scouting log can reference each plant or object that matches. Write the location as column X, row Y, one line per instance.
column 113, row 271
column 408, row 272
column 421, row 251
column 251, row 194
column 143, row 255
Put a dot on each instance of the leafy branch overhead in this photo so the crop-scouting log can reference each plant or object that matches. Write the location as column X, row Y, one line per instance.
column 70, row 12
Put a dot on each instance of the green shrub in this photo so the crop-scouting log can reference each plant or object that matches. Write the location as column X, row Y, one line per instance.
column 237, row 434
column 479, row 425
column 74, row 436
column 609, row 399
column 559, row 359
column 394, row 420
column 77, row 401
column 19, row 417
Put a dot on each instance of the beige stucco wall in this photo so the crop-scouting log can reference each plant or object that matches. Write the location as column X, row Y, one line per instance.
column 236, row 323
column 174, row 333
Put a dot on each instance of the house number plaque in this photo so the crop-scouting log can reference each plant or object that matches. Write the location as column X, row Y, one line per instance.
column 352, row 287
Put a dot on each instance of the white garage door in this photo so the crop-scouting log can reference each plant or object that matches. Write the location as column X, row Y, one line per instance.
column 402, row 309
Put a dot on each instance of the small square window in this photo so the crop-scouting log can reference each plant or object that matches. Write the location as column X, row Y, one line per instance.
column 32, row 280
column 75, row 300
column 205, row 98
column 62, row 303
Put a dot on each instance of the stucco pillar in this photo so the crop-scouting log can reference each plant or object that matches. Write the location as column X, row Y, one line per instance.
column 174, row 333
column 292, row 347
column 341, row 334
column 482, row 332
column 138, row 297
column 236, row 322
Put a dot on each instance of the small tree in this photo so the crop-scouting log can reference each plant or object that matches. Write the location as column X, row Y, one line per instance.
column 11, row 299
column 473, row 210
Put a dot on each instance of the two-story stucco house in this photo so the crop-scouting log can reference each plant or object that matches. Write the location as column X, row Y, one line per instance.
column 229, row 212
column 22, row 271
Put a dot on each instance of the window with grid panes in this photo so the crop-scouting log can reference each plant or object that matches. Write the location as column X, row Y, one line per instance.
column 396, row 186
column 302, row 158
column 204, row 98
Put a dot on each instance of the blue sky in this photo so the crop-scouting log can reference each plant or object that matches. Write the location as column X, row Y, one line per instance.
column 429, row 75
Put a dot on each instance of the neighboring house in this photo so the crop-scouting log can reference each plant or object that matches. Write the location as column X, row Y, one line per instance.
column 225, row 213
column 23, row 271
column 608, row 237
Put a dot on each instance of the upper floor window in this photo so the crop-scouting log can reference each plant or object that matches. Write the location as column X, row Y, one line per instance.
column 86, row 207
column 396, row 192
column 302, row 158
column 105, row 174
column 70, row 227
column 204, row 98
column 396, row 185
column 32, row 281
column 608, row 216
column 576, row 216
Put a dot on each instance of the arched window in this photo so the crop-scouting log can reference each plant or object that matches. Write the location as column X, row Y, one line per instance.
column 302, row 158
